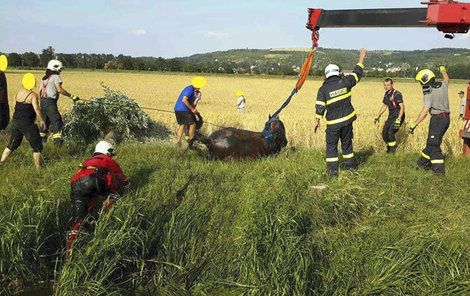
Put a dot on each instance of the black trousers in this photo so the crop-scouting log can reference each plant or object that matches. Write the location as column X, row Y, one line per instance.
column 333, row 136
column 53, row 119
column 389, row 133
column 431, row 156
column 4, row 116
column 83, row 193
column 27, row 129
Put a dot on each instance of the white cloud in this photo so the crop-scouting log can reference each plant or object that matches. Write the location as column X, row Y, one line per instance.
column 464, row 36
column 139, row 32
column 215, row 35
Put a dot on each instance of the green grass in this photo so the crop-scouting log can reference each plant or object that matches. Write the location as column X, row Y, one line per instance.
column 254, row 228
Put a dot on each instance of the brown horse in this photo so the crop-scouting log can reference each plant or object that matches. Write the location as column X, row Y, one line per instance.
column 232, row 143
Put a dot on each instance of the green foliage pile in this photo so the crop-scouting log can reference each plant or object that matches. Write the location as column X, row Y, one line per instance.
column 242, row 228
column 88, row 121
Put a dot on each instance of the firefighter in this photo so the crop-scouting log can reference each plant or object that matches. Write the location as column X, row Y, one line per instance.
column 98, row 176
column 393, row 101
column 436, row 103
column 334, row 98
column 4, row 107
column 23, row 125
column 49, row 91
column 185, row 109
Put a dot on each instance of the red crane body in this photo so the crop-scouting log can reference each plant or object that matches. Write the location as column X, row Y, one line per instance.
column 447, row 16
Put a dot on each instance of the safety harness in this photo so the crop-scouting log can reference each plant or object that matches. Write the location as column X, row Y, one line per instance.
column 269, row 136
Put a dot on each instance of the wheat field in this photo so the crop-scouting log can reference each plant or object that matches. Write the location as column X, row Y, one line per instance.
column 264, row 95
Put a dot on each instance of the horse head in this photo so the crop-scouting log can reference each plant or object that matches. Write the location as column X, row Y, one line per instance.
column 276, row 127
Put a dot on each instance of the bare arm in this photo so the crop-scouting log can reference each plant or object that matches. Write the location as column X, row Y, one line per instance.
column 61, row 90
column 402, row 110
column 445, row 76
column 382, row 110
column 188, row 105
column 37, row 109
column 422, row 115
column 362, row 56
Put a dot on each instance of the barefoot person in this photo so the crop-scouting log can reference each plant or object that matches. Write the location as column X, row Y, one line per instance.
column 26, row 111
column 185, row 109
column 50, row 90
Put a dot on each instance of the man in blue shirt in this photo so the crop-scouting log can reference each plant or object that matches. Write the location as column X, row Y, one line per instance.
column 185, row 108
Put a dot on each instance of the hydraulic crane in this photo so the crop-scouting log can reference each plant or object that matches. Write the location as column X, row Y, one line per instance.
column 447, row 16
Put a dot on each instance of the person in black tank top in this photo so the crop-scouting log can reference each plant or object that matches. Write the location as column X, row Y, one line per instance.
column 23, row 125
column 4, row 108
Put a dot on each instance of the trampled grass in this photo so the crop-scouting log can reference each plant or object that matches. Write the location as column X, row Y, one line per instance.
column 260, row 227
column 264, row 96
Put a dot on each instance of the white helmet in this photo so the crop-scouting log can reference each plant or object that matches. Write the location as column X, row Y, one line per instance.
column 331, row 70
column 54, row 65
column 105, row 147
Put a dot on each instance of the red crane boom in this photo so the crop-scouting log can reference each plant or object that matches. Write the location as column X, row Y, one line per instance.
column 447, row 16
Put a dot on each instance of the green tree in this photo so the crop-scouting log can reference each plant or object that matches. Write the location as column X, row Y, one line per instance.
column 30, row 59
column 46, row 55
column 14, row 60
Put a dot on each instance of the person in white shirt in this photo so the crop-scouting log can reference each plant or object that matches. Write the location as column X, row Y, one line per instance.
column 462, row 104
column 241, row 101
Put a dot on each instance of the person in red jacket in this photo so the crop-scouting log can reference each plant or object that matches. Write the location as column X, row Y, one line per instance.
column 98, row 176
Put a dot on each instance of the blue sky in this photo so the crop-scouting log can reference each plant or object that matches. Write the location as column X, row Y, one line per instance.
column 179, row 28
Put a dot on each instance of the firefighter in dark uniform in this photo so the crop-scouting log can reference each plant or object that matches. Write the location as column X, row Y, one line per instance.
column 98, row 176
column 4, row 106
column 334, row 98
column 436, row 103
column 393, row 101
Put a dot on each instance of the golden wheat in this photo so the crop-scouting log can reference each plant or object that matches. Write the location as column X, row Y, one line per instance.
column 264, row 95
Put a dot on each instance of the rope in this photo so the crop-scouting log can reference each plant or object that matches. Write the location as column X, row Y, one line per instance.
column 165, row 111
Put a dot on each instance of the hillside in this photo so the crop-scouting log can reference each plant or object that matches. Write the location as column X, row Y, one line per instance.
column 288, row 61
column 276, row 226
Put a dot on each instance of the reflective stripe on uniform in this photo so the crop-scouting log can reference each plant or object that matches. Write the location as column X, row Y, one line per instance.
column 342, row 119
column 321, row 103
column 57, row 136
column 43, row 134
column 360, row 65
column 318, row 116
column 392, row 144
column 355, row 76
column 332, row 159
column 347, row 156
column 342, row 97
column 425, row 156
column 434, row 161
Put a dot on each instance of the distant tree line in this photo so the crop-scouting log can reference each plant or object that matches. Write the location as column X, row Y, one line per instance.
column 29, row 60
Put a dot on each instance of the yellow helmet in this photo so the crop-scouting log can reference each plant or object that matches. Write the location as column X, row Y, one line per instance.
column 424, row 76
column 3, row 62
column 198, row 82
column 239, row 93
column 29, row 81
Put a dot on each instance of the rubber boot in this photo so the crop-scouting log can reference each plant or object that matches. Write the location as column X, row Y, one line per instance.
column 423, row 163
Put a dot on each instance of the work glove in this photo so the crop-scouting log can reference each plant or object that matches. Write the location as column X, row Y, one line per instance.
column 397, row 124
column 74, row 98
column 376, row 120
column 412, row 128
column 442, row 69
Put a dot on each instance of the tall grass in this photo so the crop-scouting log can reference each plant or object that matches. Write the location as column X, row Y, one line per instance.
column 278, row 226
